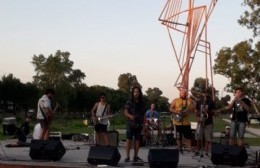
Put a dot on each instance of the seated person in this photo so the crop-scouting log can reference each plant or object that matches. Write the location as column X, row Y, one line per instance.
column 225, row 136
column 152, row 120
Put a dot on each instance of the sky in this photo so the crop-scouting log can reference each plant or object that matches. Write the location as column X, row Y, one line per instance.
column 107, row 38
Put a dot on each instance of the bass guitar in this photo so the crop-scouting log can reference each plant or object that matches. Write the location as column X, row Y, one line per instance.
column 179, row 116
column 98, row 120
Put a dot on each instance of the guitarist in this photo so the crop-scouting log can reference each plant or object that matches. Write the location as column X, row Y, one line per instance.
column 101, row 109
column 181, row 107
column 45, row 113
column 135, row 113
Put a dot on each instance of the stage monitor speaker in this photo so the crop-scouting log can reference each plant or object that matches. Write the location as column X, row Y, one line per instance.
column 163, row 157
column 108, row 155
column 228, row 155
column 46, row 150
column 112, row 138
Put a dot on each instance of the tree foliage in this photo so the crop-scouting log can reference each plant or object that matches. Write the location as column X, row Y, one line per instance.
column 201, row 87
column 126, row 82
column 241, row 65
column 54, row 70
column 251, row 17
column 154, row 95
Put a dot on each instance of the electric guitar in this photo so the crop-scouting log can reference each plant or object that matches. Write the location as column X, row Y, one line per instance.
column 98, row 120
column 178, row 116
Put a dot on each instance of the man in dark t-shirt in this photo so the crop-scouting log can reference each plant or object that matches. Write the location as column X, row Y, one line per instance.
column 240, row 107
column 135, row 114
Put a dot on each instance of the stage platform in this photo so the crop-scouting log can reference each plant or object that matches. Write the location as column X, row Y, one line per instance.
column 77, row 153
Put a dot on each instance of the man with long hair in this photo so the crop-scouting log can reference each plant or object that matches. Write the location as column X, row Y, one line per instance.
column 135, row 114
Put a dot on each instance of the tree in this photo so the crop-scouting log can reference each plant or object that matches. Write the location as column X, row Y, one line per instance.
column 126, row 82
column 250, row 18
column 154, row 95
column 242, row 66
column 53, row 70
column 57, row 72
column 201, row 87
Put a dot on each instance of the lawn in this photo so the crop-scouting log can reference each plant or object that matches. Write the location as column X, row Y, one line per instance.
column 74, row 125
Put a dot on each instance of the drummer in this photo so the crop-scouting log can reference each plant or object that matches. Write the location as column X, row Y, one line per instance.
column 152, row 117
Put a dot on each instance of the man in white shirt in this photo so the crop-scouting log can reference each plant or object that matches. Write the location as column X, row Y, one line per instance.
column 45, row 113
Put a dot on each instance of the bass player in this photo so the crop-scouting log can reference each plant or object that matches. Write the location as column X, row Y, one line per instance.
column 180, row 108
column 101, row 109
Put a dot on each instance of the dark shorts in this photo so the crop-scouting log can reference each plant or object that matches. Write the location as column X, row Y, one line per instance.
column 101, row 128
column 184, row 130
column 43, row 123
column 133, row 133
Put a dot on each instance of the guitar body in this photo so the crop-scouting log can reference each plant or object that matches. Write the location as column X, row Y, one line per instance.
column 177, row 117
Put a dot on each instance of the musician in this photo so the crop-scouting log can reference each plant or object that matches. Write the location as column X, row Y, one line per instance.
column 45, row 113
column 135, row 114
column 101, row 109
column 240, row 106
column 204, row 112
column 181, row 108
column 152, row 121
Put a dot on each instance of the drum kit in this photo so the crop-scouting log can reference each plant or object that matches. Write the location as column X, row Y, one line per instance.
column 164, row 138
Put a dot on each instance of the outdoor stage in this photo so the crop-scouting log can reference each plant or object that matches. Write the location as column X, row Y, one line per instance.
column 77, row 153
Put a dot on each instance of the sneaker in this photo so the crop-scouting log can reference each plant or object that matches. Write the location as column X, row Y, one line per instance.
column 137, row 159
column 127, row 159
column 207, row 154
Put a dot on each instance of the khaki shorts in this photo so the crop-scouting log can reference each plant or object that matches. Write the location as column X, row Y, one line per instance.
column 207, row 131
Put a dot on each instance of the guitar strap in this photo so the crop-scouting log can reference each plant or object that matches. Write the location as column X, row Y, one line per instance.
column 104, row 110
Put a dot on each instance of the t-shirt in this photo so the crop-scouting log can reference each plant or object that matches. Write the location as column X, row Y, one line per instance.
column 152, row 114
column 100, row 111
column 239, row 113
column 37, row 131
column 137, row 109
column 182, row 104
column 210, row 106
column 44, row 102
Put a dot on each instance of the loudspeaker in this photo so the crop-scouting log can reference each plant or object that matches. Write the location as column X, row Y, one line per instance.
column 112, row 138
column 228, row 155
column 163, row 157
column 46, row 150
column 108, row 155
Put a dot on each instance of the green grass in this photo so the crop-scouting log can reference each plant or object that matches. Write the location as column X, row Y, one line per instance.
column 73, row 125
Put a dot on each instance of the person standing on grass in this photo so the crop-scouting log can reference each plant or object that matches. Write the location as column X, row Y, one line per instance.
column 240, row 107
column 135, row 114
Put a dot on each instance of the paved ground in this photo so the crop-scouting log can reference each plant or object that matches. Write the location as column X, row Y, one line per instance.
column 77, row 153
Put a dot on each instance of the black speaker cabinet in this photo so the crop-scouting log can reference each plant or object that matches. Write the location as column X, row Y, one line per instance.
column 108, row 155
column 46, row 150
column 112, row 138
column 167, row 158
column 228, row 155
